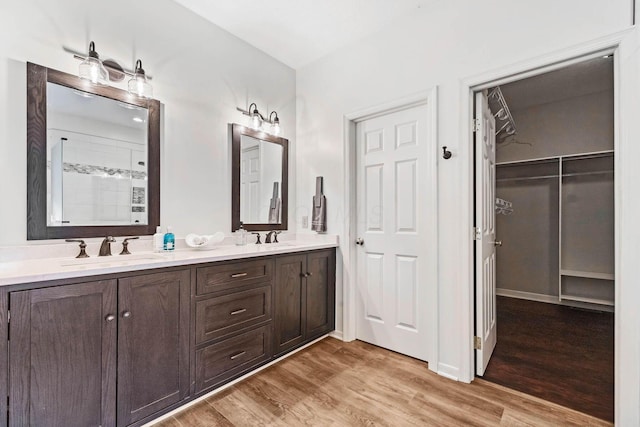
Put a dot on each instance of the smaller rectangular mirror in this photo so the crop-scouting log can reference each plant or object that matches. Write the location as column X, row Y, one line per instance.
column 259, row 181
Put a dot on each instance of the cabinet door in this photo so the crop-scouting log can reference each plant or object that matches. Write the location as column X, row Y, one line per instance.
column 320, row 291
column 153, row 343
column 290, row 308
column 63, row 356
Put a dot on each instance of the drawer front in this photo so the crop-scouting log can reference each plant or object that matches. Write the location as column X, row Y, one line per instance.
column 219, row 316
column 227, row 276
column 233, row 356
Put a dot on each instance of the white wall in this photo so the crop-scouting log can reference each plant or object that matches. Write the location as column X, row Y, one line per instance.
column 441, row 45
column 200, row 74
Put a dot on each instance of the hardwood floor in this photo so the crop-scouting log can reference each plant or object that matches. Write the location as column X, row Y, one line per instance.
column 350, row 384
column 556, row 353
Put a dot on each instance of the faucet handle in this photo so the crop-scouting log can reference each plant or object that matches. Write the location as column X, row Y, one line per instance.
column 125, row 245
column 275, row 236
column 257, row 237
column 83, row 247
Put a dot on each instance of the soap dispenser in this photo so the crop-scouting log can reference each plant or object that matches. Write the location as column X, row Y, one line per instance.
column 169, row 240
column 158, row 240
column 241, row 235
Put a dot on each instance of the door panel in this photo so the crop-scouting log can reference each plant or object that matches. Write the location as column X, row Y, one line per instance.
column 320, row 293
column 63, row 356
column 289, row 293
column 486, row 325
column 393, row 196
column 153, row 343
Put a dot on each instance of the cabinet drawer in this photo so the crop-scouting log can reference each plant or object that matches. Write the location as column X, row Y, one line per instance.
column 228, row 358
column 229, row 275
column 222, row 315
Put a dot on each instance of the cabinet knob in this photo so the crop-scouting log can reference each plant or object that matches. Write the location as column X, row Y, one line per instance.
column 309, row 274
column 110, row 318
column 126, row 314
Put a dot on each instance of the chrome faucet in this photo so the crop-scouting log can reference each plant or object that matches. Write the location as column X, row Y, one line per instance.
column 105, row 247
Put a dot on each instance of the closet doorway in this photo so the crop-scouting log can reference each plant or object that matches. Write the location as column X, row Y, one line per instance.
column 546, row 204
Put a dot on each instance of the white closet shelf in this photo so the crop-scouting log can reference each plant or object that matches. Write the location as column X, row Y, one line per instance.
column 587, row 274
column 586, row 299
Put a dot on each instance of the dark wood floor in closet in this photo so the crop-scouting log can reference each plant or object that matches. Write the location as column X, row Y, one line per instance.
column 557, row 353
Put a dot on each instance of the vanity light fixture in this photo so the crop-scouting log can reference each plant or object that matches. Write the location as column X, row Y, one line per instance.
column 91, row 68
column 139, row 85
column 97, row 71
column 255, row 117
column 258, row 122
column 275, row 124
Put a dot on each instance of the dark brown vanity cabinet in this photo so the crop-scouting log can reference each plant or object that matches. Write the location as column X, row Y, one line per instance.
column 62, row 351
column 233, row 320
column 304, row 298
column 132, row 346
column 68, row 344
column 153, row 343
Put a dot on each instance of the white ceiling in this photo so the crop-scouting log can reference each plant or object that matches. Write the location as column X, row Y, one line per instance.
column 297, row 32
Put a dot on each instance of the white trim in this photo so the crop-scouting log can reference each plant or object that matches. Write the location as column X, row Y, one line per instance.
column 230, row 384
column 547, row 62
column 349, row 279
column 537, row 65
column 350, row 229
column 551, row 299
column 418, row 98
column 448, row 371
column 531, row 296
column 337, row 335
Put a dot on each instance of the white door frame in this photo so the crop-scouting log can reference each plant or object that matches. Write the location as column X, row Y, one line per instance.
column 623, row 119
column 349, row 253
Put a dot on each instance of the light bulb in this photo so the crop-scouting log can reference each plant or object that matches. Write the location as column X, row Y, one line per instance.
column 275, row 129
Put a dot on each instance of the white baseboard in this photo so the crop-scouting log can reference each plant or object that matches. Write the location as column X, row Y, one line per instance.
column 551, row 299
column 448, row 371
column 527, row 295
column 237, row 380
column 337, row 335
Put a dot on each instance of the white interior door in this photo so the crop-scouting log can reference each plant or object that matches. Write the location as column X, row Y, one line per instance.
column 486, row 324
column 393, row 197
column 250, row 185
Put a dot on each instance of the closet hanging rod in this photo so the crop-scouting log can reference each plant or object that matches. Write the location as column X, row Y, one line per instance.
column 564, row 175
column 606, row 172
column 579, row 156
column 526, row 178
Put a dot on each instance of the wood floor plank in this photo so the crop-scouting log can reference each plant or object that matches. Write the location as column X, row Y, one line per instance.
column 558, row 353
column 333, row 383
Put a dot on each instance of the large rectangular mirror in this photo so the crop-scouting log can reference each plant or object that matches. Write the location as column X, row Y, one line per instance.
column 93, row 158
column 259, row 181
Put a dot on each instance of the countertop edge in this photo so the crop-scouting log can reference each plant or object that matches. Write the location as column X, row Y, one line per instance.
column 184, row 257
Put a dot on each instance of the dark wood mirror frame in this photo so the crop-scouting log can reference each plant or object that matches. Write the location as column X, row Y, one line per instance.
column 37, row 228
column 236, row 133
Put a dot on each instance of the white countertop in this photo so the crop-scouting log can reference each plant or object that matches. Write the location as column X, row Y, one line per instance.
column 37, row 270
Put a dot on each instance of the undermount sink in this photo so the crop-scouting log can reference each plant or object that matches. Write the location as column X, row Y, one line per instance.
column 109, row 260
column 277, row 245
